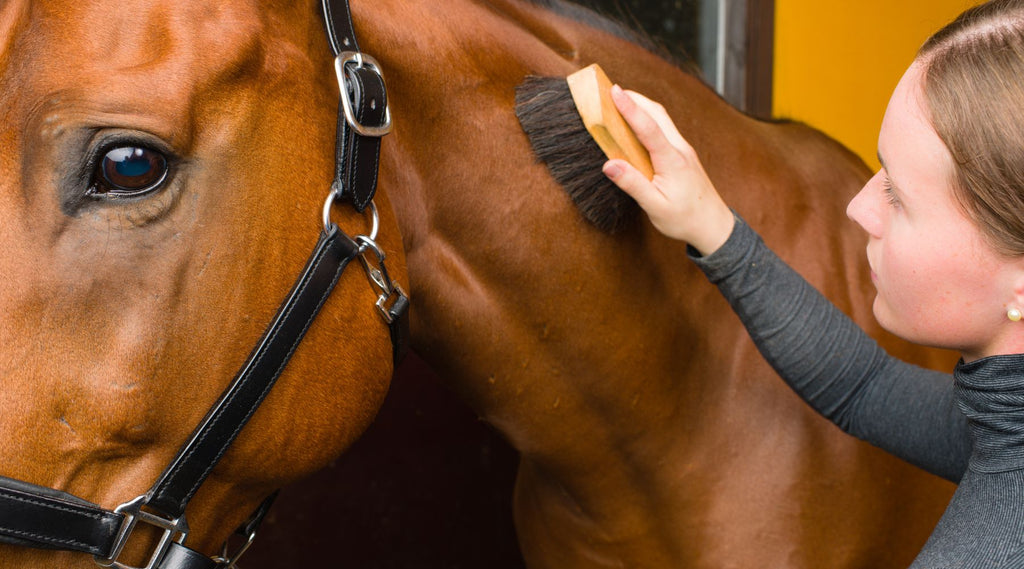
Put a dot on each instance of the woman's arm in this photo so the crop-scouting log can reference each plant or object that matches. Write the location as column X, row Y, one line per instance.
column 834, row 366
column 823, row 355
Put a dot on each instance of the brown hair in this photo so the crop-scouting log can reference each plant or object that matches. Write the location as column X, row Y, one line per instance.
column 974, row 88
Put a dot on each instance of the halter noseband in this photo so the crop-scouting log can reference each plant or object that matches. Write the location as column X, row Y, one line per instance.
column 40, row 517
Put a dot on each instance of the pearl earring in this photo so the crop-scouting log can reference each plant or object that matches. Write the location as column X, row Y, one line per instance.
column 1014, row 314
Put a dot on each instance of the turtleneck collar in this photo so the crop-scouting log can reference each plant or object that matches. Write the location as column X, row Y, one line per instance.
column 990, row 392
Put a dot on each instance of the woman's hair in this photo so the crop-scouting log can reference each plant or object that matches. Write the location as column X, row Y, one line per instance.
column 974, row 88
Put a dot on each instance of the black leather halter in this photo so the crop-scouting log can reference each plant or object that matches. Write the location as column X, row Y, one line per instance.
column 35, row 516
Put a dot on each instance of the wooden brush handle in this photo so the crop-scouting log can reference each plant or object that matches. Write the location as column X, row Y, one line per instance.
column 591, row 92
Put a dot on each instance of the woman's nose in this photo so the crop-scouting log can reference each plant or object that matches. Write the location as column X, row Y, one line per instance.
column 864, row 208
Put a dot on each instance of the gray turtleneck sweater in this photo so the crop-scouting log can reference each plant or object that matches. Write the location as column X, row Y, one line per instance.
column 968, row 428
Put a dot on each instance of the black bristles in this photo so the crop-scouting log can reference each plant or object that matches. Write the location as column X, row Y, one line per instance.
column 548, row 116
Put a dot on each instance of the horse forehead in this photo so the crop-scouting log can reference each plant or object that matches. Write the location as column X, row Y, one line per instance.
column 173, row 45
column 121, row 30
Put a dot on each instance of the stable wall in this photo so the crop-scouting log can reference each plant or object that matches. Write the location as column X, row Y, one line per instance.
column 837, row 61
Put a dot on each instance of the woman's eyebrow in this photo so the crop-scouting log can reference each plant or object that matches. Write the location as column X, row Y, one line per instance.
column 888, row 175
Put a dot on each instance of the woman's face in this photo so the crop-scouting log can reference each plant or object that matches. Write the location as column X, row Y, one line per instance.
column 939, row 283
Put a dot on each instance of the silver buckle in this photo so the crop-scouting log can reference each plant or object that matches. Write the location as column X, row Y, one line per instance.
column 360, row 60
column 175, row 530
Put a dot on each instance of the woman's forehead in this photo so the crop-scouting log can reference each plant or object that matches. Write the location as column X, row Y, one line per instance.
column 907, row 143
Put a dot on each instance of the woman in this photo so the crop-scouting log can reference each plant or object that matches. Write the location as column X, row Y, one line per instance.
column 945, row 221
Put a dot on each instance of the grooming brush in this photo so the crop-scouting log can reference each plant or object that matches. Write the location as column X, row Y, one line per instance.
column 574, row 128
column 592, row 94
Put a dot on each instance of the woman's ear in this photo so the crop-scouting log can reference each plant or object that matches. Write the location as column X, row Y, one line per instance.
column 1015, row 307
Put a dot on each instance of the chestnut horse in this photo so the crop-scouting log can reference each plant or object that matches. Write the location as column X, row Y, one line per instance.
column 651, row 433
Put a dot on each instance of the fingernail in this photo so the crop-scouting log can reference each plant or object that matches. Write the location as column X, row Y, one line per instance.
column 612, row 170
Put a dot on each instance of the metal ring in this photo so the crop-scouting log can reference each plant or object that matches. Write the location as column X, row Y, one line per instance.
column 374, row 216
column 327, row 211
column 376, row 221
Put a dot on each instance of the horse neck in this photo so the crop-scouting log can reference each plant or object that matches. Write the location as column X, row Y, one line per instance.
column 495, row 248
column 589, row 352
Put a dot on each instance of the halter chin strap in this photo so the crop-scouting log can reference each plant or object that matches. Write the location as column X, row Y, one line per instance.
column 40, row 517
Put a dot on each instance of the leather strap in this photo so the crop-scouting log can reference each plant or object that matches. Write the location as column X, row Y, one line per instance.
column 358, row 156
column 37, row 516
column 180, row 557
column 399, row 327
column 355, row 176
column 341, row 33
column 218, row 430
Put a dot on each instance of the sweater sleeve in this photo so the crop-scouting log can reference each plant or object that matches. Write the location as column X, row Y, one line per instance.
column 833, row 365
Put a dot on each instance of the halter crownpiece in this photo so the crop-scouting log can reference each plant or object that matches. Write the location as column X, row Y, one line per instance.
column 363, row 114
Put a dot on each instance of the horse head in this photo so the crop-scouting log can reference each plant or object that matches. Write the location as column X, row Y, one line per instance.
column 163, row 171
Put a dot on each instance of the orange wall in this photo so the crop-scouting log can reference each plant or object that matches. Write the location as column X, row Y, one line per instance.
column 837, row 61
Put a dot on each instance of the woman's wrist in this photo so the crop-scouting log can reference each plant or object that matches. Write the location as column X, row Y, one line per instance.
column 715, row 227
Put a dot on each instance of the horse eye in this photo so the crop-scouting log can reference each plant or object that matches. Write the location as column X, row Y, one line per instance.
column 129, row 171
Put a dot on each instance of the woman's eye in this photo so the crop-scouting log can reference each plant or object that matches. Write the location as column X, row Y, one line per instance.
column 128, row 171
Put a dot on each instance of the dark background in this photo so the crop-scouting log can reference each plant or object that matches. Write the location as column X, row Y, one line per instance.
column 671, row 23
column 428, row 486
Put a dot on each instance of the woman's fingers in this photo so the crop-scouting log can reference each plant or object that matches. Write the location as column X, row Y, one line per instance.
column 647, row 128
column 632, row 181
column 660, row 116
column 680, row 201
column 671, row 154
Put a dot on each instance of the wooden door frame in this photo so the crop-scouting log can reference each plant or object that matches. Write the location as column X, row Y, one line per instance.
column 749, row 55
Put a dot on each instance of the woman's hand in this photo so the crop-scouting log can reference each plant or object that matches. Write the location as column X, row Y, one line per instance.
column 680, row 200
